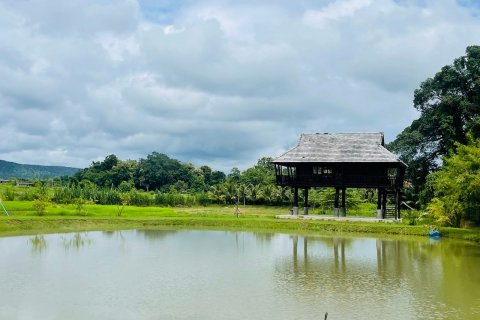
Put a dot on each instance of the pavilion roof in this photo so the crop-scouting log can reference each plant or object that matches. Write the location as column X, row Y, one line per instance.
column 339, row 148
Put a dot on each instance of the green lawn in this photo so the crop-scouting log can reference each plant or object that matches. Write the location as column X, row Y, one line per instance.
column 66, row 218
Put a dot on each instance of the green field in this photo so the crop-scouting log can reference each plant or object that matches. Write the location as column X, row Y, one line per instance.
column 23, row 219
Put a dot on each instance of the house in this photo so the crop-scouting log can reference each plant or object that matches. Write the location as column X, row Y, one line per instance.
column 341, row 161
column 24, row 183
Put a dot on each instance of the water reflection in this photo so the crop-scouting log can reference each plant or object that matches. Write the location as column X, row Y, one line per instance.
column 76, row 241
column 156, row 234
column 414, row 272
column 215, row 274
column 38, row 244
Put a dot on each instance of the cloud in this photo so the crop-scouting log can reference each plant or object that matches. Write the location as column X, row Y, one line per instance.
column 221, row 83
column 335, row 11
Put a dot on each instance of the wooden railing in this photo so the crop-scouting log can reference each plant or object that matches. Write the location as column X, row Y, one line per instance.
column 348, row 181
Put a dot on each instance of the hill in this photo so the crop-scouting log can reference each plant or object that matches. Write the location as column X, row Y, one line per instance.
column 28, row 171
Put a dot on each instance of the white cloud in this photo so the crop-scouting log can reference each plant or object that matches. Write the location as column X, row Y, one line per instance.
column 335, row 11
column 213, row 82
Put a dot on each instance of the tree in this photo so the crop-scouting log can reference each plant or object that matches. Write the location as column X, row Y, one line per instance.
column 262, row 173
column 123, row 171
column 449, row 106
column 457, row 187
column 255, row 193
column 160, row 171
column 234, row 175
column 216, row 177
column 243, row 192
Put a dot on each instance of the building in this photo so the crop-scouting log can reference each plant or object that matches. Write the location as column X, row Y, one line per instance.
column 341, row 161
column 24, row 183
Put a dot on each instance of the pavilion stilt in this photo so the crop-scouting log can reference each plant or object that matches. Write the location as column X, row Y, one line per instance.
column 335, row 205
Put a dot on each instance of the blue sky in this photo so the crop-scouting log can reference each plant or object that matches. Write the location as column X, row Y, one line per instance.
column 212, row 82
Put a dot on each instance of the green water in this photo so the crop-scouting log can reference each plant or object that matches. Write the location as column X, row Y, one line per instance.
column 235, row 275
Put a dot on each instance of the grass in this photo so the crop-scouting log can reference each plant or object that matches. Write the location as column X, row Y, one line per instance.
column 66, row 218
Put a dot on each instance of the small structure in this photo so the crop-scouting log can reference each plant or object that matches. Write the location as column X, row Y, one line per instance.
column 341, row 161
column 2, row 181
column 24, row 183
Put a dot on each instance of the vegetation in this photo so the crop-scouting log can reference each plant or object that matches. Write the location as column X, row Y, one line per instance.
column 456, row 187
column 435, row 146
column 65, row 218
column 26, row 171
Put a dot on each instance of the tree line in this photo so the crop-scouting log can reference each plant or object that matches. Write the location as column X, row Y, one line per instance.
column 442, row 146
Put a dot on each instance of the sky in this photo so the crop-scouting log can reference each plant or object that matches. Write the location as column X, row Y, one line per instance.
column 221, row 83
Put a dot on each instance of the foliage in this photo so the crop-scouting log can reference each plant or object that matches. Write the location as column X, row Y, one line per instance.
column 27, row 171
column 412, row 217
column 175, row 199
column 457, row 187
column 437, row 209
column 324, row 198
column 449, row 106
column 42, row 201
column 80, row 205
column 263, row 173
column 8, row 194
column 124, row 201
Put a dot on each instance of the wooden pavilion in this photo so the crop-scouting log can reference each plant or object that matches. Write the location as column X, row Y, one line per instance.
column 341, row 161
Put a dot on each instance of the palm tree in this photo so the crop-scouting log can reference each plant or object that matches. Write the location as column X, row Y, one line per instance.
column 231, row 191
column 255, row 193
column 268, row 193
column 217, row 193
column 286, row 195
column 243, row 191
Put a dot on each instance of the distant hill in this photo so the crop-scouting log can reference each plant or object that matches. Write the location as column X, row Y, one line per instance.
column 28, row 171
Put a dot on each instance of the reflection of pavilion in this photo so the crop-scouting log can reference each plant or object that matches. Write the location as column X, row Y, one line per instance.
column 338, row 253
column 416, row 274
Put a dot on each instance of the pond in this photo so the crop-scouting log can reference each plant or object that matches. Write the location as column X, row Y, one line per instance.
column 166, row 274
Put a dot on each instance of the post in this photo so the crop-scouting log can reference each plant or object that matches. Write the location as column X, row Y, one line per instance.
column 335, row 205
column 295, row 201
column 384, row 203
column 5, row 210
column 397, row 203
column 305, row 205
column 343, row 209
column 379, row 204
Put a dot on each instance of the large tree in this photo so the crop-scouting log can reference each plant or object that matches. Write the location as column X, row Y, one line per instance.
column 449, row 106
column 158, row 171
column 457, row 187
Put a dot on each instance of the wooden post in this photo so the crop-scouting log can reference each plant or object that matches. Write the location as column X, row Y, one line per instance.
column 397, row 203
column 343, row 209
column 335, row 204
column 379, row 204
column 295, row 200
column 305, row 205
column 384, row 203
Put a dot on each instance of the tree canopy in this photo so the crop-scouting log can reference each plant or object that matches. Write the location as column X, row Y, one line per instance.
column 457, row 186
column 449, row 106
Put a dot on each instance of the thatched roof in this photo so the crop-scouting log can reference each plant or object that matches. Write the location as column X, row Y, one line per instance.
column 339, row 147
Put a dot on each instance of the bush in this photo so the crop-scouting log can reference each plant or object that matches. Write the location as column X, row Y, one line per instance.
column 40, row 206
column 140, row 198
column 175, row 199
column 412, row 216
column 8, row 194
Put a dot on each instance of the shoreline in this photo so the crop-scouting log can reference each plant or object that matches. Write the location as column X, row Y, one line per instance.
column 29, row 225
